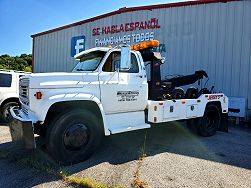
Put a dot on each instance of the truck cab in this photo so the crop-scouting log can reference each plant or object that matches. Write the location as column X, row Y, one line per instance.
column 118, row 87
column 106, row 93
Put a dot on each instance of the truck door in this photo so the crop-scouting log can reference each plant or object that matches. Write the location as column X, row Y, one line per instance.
column 123, row 91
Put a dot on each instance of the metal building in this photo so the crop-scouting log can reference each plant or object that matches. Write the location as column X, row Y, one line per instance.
column 214, row 35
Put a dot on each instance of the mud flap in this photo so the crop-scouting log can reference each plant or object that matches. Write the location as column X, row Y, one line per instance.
column 22, row 133
column 224, row 123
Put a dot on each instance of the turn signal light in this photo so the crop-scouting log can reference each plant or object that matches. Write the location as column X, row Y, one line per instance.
column 38, row 95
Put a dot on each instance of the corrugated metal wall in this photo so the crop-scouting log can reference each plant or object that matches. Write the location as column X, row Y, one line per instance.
column 215, row 37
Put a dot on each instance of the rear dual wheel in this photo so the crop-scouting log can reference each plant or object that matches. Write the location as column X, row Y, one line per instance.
column 208, row 124
column 73, row 136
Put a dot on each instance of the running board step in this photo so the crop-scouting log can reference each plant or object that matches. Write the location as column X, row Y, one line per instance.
column 129, row 128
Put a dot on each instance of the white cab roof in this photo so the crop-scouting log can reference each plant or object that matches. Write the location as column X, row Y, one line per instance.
column 79, row 55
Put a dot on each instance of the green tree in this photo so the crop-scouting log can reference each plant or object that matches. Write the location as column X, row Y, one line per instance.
column 20, row 63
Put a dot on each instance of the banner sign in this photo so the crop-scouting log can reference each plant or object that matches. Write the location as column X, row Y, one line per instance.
column 139, row 26
column 153, row 23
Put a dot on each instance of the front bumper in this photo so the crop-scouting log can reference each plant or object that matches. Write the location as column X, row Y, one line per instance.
column 21, row 129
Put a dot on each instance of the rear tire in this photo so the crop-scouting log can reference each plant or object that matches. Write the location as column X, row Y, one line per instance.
column 208, row 124
column 5, row 111
column 73, row 136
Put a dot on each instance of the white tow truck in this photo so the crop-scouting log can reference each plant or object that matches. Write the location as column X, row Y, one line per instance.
column 108, row 93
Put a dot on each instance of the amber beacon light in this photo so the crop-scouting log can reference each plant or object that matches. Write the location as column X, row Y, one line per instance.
column 145, row 45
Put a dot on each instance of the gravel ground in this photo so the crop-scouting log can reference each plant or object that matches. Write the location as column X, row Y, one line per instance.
column 175, row 158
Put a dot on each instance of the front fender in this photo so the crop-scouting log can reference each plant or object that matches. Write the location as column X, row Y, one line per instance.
column 46, row 104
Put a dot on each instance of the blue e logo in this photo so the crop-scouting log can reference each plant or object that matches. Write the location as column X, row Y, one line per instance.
column 77, row 45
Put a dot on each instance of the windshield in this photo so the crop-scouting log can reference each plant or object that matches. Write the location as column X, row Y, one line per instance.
column 90, row 61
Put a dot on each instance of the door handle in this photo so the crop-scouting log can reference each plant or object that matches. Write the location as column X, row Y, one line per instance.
column 138, row 76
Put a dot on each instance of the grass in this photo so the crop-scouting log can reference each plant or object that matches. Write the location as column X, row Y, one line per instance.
column 137, row 182
column 86, row 182
column 34, row 162
column 37, row 164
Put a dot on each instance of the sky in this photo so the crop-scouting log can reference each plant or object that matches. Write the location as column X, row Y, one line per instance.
column 19, row 19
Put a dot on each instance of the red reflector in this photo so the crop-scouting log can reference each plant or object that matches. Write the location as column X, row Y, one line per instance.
column 38, row 95
column 183, row 102
column 161, row 103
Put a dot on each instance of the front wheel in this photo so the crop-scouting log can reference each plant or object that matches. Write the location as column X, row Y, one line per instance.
column 73, row 136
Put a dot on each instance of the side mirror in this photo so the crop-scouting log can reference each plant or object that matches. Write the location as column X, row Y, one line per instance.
column 125, row 62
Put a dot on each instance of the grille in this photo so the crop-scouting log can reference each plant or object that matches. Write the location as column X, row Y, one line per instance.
column 24, row 91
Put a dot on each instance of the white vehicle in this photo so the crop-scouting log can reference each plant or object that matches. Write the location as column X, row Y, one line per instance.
column 107, row 93
column 9, row 86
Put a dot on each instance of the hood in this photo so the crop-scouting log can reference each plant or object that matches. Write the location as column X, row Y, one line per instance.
column 60, row 80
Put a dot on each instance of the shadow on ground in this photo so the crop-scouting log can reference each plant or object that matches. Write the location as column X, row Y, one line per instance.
column 233, row 148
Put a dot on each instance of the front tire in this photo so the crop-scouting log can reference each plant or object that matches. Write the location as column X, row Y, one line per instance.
column 5, row 111
column 73, row 136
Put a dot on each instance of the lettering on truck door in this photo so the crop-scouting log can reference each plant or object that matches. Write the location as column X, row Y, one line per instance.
column 122, row 91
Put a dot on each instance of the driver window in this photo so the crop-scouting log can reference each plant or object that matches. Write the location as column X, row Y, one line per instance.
column 113, row 62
